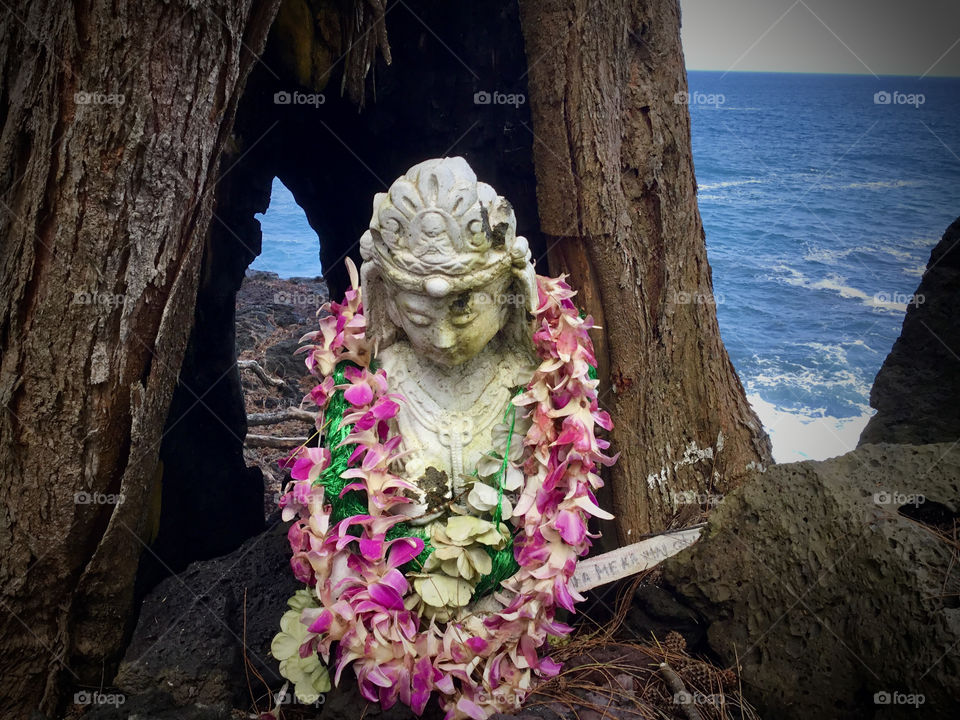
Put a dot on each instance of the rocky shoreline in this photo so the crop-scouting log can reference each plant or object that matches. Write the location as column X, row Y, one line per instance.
column 273, row 313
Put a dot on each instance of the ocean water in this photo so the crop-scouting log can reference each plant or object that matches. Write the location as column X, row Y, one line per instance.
column 290, row 247
column 821, row 197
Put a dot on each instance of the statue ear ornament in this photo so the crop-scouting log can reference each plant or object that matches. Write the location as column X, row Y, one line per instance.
column 461, row 608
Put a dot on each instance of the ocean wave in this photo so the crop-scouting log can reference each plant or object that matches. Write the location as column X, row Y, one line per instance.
column 811, row 382
column 916, row 271
column 828, row 256
column 837, row 284
column 807, row 434
column 809, row 375
column 873, row 185
column 836, row 352
column 729, row 183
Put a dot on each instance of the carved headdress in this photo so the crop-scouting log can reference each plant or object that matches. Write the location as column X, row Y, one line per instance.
column 438, row 231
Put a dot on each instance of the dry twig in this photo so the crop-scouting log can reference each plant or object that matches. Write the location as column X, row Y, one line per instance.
column 258, row 370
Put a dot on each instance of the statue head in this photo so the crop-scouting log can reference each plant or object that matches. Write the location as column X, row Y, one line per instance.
column 443, row 265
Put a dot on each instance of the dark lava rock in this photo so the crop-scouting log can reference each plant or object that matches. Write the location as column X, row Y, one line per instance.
column 915, row 392
column 188, row 642
column 280, row 360
column 655, row 611
column 830, row 583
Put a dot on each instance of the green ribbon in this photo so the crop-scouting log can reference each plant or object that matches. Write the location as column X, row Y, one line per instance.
column 503, row 561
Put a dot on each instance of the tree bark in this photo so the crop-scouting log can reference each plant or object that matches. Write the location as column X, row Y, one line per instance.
column 113, row 117
column 617, row 202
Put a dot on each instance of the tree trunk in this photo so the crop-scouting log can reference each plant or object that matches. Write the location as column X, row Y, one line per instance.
column 113, row 119
column 617, row 201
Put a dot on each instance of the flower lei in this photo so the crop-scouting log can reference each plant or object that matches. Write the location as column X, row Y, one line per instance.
column 357, row 593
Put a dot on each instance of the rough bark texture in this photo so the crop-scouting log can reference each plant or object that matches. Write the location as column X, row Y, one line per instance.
column 105, row 207
column 617, row 201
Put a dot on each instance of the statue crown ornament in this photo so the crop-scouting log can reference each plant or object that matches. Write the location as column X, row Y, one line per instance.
column 439, row 230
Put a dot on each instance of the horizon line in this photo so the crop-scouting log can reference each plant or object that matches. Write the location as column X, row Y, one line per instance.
column 809, row 72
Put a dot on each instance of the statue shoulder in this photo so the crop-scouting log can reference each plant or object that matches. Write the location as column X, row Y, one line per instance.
column 516, row 367
column 395, row 359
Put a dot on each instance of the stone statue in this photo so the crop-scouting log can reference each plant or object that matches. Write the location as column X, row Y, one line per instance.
column 439, row 522
column 448, row 292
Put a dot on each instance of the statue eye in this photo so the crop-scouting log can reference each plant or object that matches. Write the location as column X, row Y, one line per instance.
column 418, row 319
column 461, row 311
column 461, row 319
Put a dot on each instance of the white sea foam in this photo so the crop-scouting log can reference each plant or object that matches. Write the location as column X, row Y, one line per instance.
column 807, row 435
column 837, row 284
column 828, row 256
column 895, row 302
column 810, row 381
column 916, row 271
column 836, row 352
column 873, row 185
column 729, row 183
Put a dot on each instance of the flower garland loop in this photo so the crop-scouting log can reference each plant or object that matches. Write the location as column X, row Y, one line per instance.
column 363, row 566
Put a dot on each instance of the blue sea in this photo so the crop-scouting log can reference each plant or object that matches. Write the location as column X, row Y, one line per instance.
column 821, row 197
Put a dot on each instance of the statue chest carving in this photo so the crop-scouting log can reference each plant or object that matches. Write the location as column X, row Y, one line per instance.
column 448, row 415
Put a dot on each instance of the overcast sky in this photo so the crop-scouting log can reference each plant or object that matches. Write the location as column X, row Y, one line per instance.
column 882, row 37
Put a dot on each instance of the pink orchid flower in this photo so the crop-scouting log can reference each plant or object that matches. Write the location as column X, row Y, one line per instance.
column 310, row 464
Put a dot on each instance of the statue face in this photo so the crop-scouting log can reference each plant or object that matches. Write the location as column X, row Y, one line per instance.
column 452, row 329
